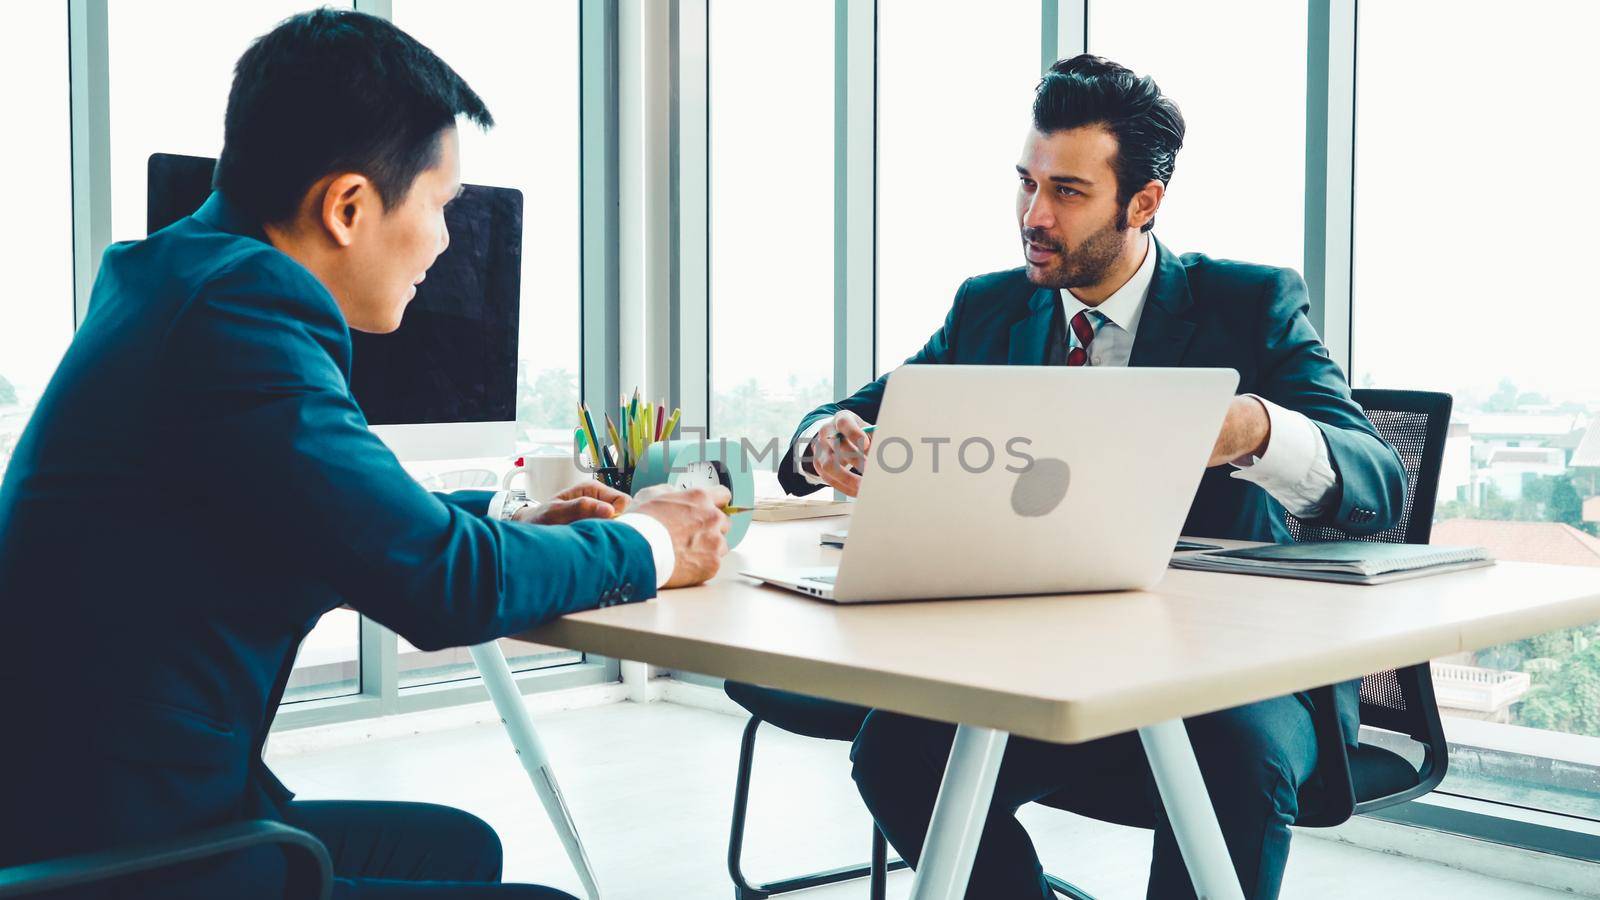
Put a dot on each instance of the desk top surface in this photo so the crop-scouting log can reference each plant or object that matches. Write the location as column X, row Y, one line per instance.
column 1071, row 667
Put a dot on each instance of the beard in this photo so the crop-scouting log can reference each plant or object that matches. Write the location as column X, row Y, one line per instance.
column 1087, row 264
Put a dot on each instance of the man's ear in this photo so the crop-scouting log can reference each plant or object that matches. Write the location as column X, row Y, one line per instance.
column 348, row 201
column 1143, row 205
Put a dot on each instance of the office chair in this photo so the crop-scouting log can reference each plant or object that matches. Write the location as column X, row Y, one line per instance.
column 1355, row 780
column 1369, row 777
column 310, row 870
column 813, row 717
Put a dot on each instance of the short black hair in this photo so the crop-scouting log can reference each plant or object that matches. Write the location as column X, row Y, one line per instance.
column 335, row 91
column 1089, row 90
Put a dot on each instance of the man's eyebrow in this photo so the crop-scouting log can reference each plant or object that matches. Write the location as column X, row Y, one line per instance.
column 1059, row 179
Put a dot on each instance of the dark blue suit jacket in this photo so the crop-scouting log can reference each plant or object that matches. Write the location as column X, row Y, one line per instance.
column 1200, row 312
column 196, row 487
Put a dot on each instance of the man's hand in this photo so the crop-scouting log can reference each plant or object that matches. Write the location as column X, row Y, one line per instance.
column 1246, row 431
column 839, row 451
column 586, row 500
column 698, row 527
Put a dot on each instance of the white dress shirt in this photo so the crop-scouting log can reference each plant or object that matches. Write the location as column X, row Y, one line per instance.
column 1295, row 469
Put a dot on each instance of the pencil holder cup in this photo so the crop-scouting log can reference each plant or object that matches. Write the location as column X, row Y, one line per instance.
column 612, row 477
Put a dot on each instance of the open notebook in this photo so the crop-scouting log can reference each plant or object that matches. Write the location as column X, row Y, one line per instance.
column 1353, row 562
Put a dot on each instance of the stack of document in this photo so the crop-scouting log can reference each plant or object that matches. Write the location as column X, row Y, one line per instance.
column 1352, row 562
column 784, row 509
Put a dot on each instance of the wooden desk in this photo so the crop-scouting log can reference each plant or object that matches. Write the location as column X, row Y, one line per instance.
column 1071, row 668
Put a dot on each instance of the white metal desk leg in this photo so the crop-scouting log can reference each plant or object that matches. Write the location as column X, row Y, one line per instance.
column 1194, row 822
column 519, row 727
column 959, row 814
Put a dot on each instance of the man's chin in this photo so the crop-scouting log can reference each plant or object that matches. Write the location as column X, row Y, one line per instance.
column 1045, row 277
column 386, row 324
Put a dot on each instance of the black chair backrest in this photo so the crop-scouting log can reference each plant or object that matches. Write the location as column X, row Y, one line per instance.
column 1415, row 423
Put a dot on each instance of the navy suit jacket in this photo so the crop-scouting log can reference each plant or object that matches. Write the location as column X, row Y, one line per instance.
column 1200, row 312
column 196, row 487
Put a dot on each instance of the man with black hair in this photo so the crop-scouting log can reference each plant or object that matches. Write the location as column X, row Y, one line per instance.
column 198, row 486
column 1098, row 289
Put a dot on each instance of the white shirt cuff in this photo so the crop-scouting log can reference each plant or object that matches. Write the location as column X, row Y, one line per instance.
column 800, row 445
column 1295, row 468
column 660, row 543
column 497, row 504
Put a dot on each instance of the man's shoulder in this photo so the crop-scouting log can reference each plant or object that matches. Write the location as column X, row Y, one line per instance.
column 1005, row 282
column 209, row 268
column 189, row 259
column 1226, row 280
column 247, row 263
column 207, row 287
column 1002, row 295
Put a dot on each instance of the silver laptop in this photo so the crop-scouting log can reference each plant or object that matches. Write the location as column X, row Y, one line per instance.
column 1004, row 480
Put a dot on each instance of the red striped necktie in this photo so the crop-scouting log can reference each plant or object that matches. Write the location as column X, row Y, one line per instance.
column 1083, row 330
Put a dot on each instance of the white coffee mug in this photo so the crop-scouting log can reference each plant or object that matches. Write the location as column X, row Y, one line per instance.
column 546, row 475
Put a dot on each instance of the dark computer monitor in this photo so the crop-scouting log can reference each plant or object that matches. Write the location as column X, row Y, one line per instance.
column 453, row 361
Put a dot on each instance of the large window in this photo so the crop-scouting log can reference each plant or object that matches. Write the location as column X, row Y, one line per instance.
column 772, row 190
column 1237, row 70
column 525, row 68
column 169, row 85
column 1471, row 228
column 169, row 91
column 522, row 59
column 955, row 100
column 36, row 307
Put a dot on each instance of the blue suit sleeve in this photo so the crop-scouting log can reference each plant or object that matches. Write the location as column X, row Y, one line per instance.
column 255, row 366
column 1298, row 374
column 866, row 401
column 475, row 502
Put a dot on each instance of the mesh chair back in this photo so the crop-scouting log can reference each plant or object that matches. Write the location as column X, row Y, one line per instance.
column 1415, row 423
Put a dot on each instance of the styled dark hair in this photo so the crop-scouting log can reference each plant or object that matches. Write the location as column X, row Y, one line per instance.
column 335, row 91
column 1088, row 90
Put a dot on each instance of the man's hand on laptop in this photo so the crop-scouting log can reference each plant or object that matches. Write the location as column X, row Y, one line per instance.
column 839, row 451
column 698, row 527
column 1246, row 431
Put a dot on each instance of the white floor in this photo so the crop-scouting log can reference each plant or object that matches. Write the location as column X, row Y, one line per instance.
column 651, row 787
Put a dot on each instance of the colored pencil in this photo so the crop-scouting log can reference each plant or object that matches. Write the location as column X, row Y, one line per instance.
column 594, row 439
column 611, row 429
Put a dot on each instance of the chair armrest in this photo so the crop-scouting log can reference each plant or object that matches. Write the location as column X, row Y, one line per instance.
column 85, row 868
